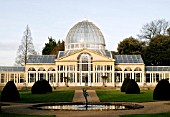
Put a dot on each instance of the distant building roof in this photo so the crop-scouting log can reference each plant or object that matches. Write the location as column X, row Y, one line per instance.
column 128, row 59
column 11, row 69
column 38, row 59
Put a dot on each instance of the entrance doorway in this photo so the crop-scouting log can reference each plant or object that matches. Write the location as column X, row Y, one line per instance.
column 85, row 79
column 84, row 69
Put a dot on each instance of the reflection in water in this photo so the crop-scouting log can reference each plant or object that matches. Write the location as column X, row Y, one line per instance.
column 83, row 107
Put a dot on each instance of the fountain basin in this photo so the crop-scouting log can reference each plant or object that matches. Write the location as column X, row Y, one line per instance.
column 82, row 106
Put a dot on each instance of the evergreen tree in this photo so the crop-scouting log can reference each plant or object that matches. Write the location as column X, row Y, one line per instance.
column 58, row 47
column 10, row 92
column 49, row 46
column 132, row 87
column 162, row 90
column 125, row 82
column 52, row 48
column 41, row 87
column 130, row 46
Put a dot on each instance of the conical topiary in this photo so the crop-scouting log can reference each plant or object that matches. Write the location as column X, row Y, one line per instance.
column 132, row 87
column 41, row 87
column 125, row 82
column 10, row 92
column 162, row 90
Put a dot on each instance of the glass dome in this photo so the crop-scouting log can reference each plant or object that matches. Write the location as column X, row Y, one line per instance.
column 85, row 35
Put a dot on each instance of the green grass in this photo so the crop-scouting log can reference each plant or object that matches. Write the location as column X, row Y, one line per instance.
column 19, row 115
column 55, row 96
column 148, row 115
column 117, row 96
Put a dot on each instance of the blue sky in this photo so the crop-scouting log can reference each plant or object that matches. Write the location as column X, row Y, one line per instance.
column 117, row 19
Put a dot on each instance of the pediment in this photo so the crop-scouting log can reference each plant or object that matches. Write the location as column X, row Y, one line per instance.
column 96, row 56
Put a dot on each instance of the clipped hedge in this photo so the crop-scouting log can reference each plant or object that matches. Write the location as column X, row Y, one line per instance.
column 10, row 92
column 162, row 90
column 125, row 82
column 132, row 87
column 41, row 87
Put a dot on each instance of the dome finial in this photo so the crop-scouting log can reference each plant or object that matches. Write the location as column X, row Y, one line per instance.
column 85, row 20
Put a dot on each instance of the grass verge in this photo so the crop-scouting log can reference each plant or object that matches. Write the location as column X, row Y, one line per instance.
column 19, row 115
column 148, row 115
column 118, row 96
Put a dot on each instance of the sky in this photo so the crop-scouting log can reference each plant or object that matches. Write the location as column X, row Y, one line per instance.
column 117, row 19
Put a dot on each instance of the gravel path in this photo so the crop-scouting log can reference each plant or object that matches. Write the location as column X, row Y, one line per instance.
column 78, row 96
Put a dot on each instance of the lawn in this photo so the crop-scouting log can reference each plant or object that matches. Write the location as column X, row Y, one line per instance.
column 19, row 115
column 148, row 115
column 117, row 96
column 55, row 96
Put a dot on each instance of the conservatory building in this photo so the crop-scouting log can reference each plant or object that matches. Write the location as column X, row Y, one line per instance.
column 84, row 62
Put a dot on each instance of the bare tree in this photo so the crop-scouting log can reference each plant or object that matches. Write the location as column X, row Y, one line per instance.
column 154, row 28
column 26, row 48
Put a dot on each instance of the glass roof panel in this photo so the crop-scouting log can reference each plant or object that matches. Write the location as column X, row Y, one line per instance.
column 41, row 59
column 128, row 59
column 157, row 68
column 11, row 69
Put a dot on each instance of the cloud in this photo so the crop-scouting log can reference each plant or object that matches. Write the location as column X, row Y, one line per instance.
column 7, row 58
column 8, row 45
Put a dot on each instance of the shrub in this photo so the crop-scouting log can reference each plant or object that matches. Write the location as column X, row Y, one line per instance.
column 132, row 87
column 162, row 90
column 10, row 92
column 125, row 82
column 41, row 87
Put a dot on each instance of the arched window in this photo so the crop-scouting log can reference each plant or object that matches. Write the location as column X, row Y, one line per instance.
column 118, row 69
column 118, row 74
column 31, row 75
column 128, row 73
column 138, row 74
column 138, row 69
column 31, row 69
column 128, row 69
column 85, row 65
column 41, row 73
column 51, row 69
column 51, row 75
column 41, row 69
column 85, row 62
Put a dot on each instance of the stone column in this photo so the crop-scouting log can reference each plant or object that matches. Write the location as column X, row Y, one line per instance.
column 14, row 78
column 19, row 77
column 26, row 77
column 46, row 74
column 94, row 72
column 133, row 75
column 75, row 67
column 123, row 76
column 36, row 76
column 113, row 75
column 0, row 77
column 169, row 77
column 56, row 77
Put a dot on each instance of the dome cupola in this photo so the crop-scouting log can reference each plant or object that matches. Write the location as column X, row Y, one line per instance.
column 84, row 34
